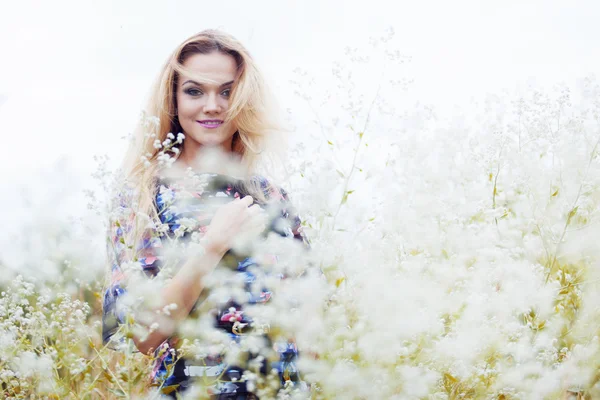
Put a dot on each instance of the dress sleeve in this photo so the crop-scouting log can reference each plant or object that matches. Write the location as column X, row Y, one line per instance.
column 120, row 260
column 291, row 216
column 292, row 224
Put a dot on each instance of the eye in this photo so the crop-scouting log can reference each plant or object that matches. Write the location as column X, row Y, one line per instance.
column 193, row 92
column 226, row 92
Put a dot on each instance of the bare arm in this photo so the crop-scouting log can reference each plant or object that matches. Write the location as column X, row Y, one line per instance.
column 230, row 223
column 183, row 290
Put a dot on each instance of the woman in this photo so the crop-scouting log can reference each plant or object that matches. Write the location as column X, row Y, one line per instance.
column 209, row 98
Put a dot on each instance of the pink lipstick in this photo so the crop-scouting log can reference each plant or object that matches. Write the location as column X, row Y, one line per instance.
column 210, row 123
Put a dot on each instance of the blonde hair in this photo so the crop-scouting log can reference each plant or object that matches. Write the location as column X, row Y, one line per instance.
column 251, row 107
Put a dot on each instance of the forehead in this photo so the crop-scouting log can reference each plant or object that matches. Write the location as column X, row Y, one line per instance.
column 215, row 66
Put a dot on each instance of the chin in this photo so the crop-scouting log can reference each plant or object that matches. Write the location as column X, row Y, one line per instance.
column 211, row 138
column 211, row 142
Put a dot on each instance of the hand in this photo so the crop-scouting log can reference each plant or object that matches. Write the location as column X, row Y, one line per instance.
column 235, row 225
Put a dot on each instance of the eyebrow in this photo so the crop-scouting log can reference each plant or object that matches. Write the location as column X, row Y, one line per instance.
column 199, row 84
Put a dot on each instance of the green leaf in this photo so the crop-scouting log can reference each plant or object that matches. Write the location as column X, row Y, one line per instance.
column 169, row 389
column 117, row 392
column 329, row 142
column 140, row 375
column 360, row 134
column 450, row 378
column 572, row 213
column 340, row 173
column 555, row 193
column 345, row 198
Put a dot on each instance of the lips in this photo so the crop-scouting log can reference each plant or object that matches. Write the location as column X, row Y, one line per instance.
column 210, row 123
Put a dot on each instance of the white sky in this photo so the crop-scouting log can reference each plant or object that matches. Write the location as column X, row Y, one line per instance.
column 74, row 74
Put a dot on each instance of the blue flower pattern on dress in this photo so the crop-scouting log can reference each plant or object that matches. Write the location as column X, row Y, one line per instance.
column 149, row 248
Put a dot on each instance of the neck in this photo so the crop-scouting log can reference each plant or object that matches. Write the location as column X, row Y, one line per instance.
column 212, row 160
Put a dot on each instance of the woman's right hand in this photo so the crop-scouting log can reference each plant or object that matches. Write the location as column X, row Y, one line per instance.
column 235, row 224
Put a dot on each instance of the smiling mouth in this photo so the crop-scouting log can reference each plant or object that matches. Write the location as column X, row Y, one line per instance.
column 210, row 123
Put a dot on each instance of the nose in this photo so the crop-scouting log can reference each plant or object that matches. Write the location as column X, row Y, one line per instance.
column 212, row 105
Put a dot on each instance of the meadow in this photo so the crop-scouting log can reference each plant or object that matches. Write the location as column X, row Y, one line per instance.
column 460, row 253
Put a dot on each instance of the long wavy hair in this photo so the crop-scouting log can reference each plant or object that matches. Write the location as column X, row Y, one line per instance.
column 252, row 107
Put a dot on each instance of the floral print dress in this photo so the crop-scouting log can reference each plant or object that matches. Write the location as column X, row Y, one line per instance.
column 185, row 218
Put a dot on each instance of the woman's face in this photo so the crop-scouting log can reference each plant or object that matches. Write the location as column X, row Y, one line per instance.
column 201, row 108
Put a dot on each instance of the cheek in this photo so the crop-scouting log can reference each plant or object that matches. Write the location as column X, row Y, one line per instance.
column 185, row 107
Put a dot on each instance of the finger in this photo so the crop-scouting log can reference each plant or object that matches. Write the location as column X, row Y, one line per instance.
column 252, row 220
column 255, row 216
column 254, row 209
column 247, row 200
column 252, row 227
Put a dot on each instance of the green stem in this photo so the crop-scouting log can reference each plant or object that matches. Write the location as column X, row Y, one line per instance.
column 571, row 214
column 347, row 181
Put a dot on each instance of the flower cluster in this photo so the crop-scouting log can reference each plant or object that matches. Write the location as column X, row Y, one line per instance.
column 166, row 146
